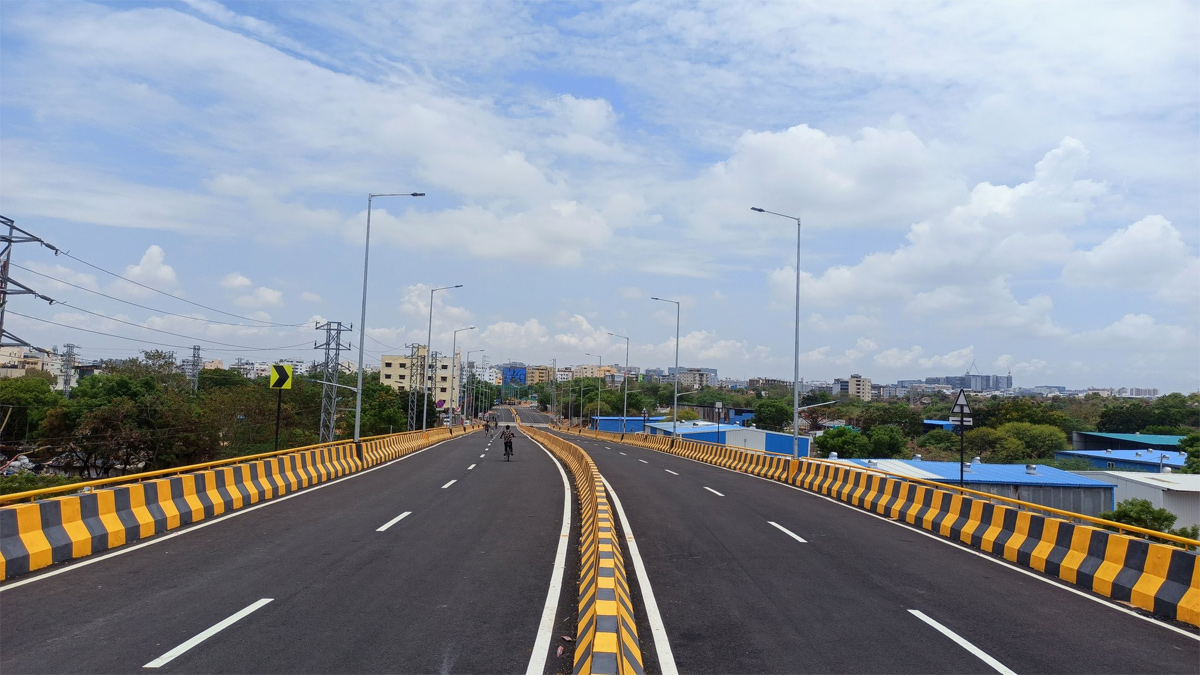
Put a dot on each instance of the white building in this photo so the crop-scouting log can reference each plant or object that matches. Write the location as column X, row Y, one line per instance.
column 564, row 375
column 397, row 373
column 1178, row 493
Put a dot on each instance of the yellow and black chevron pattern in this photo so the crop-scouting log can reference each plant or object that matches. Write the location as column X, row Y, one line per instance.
column 1155, row 577
column 48, row 531
column 606, row 637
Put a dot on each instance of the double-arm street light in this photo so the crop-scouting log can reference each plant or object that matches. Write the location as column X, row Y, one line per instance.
column 428, row 379
column 796, row 373
column 362, row 324
column 625, row 380
column 454, row 361
column 675, row 413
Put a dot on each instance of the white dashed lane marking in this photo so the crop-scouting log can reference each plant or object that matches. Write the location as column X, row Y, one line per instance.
column 671, row 472
column 713, row 491
column 450, row 483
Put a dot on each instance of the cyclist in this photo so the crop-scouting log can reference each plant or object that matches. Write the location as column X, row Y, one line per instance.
column 507, row 435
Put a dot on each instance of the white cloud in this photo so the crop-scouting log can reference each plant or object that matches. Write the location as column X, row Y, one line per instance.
column 1141, row 330
column 309, row 296
column 1150, row 254
column 235, row 280
column 152, row 270
column 261, row 297
column 66, row 274
column 895, row 357
column 953, row 362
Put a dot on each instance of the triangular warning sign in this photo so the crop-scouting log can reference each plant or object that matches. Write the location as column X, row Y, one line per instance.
column 960, row 404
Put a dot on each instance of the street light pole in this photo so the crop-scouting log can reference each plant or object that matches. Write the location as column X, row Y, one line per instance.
column 453, row 362
column 470, row 389
column 625, row 381
column 362, row 324
column 427, row 378
column 675, row 414
column 796, row 373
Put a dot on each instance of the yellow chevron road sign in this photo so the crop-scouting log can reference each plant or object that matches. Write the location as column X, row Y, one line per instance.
column 281, row 376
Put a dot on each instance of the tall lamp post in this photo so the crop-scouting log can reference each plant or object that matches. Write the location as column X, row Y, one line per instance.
column 453, row 362
column 625, row 381
column 470, row 389
column 362, row 324
column 428, row 379
column 675, row 413
column 599, row 381
column 796, row 373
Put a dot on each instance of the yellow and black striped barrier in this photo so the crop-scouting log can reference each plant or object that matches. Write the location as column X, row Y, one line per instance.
column 606, row 636
column 57, row 529
column 1159, row 578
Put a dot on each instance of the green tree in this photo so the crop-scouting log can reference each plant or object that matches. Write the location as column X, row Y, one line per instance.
column 24, row 402
column 993, row 446
column 1141, row 513
column 939, row 439
column 772, row 414
column 846, row 442
column 897, row 414
column 1191, row 445
column 1041, row 441
column 887, row 441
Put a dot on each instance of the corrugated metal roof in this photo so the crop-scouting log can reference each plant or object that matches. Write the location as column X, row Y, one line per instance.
column 1148, row 439
column 1005, row 474
column 1172, row 459
column 1179, row 482
column 687, row 427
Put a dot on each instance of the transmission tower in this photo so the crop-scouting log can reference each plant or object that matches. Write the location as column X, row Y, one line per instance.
column 416, row 364
column 191, row 368
column 68, row 368
column 329, row 374
column 11, row 234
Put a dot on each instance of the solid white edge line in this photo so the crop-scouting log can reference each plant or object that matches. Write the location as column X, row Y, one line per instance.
column 999, row 561
column 541, row 645
column 671, row 472
column 205, row 523
column 211, row 631
column 962, row 642
column 450, row 483
column 786, row 531
column 713, row 491
column 470, row 467
column 662, row 647
column 393, row 521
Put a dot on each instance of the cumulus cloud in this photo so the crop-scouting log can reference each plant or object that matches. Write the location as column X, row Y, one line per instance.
column 261, row 297
column 235, row 280
column 1150, row 254
column 152, row 270
column 309, row 296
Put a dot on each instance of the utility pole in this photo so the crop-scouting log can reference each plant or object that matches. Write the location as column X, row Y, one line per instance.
column 15, row 235
column 330, row 370
column 68, row 367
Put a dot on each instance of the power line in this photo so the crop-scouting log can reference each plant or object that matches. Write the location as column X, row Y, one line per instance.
column 156, row 330
column 150, row 342
column 175, row 297
column 152, row 309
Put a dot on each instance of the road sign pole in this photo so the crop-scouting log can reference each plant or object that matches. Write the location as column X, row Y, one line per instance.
column 278, row 413
column 962, row 435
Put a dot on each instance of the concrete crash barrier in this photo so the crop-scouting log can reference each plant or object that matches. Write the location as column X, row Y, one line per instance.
column 58, row 529
column 1159, row 578
column 606, row 637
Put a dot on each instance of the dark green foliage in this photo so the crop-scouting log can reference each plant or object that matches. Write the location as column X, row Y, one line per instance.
column 939, row 439
column 26, row 480
column 772, row 414
column 887, row 441
column 1141, row 513
column 846, row 442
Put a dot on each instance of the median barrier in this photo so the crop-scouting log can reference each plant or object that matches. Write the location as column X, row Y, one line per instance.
column 58, row 529
column 606, row 634
column 1159, row 578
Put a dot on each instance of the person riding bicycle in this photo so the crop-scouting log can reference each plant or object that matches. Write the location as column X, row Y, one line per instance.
column 507, row 435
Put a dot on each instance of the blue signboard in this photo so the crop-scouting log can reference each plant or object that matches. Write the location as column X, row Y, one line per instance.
column 511, row 376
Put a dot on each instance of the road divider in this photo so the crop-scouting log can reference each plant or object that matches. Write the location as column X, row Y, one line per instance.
column 1090, row 553
column 112, row 512
column 606, row 635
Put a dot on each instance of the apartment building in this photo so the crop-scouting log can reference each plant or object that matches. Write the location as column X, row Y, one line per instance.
column 539, row 374
column 856, row 386
column 397, row 372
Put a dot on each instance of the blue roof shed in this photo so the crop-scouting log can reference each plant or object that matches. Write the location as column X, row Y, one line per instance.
column 1128, row 460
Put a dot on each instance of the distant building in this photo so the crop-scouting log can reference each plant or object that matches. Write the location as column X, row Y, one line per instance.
column 695, row 378
column 1098, row 440
column 732, row 435
column 565, row 375
column 539, row 375
column 397, row 371
column 855, row 386
column 762, row 383
column 654, row 374
column 593, row 370
column 732, row 383
column 629, row 425
column 973, row 382
column 214, row 364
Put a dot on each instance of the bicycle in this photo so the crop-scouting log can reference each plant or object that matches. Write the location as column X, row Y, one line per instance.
column 507, row 450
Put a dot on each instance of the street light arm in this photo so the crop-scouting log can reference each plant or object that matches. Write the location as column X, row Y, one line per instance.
column 782, row 215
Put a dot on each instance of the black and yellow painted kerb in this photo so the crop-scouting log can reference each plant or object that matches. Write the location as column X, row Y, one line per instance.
column 606, row 636
column 1158, row 578
column 54, row 530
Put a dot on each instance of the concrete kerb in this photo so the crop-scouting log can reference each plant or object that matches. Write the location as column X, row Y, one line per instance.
column 606, row 639
column 48, row 531
column 1160, row 579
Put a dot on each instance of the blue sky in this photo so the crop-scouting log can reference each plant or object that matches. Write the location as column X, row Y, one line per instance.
column 1009, row 184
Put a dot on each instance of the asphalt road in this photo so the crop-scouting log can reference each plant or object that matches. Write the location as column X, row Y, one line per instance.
column 456, row 586
column 739, row 595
